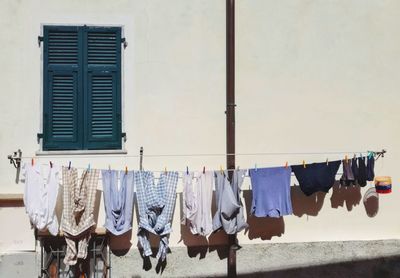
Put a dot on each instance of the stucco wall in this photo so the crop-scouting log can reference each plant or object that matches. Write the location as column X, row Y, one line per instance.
column 312, row 76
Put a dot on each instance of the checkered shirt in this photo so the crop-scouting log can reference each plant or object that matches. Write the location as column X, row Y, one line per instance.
column 156, row 204
column 77, row 218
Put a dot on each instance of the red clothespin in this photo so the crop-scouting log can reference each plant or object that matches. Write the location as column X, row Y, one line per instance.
column 33, row 161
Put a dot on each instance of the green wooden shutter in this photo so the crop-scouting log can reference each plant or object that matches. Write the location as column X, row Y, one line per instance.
column 102, row 70
column 61, row 85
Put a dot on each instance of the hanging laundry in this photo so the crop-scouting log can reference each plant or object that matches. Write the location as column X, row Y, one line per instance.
column 77, row 219
column 229, row 215
column 347, row 178
column 118, row 202
column 271, row 191
column 189, row 201
column 354, row 169
column 40, row 196
column 316, row 176
column 362, row 172
column 197, row 191
column 370, row 167
column 156, row 204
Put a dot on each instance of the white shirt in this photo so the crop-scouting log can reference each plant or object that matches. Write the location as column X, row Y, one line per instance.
column 40, row 196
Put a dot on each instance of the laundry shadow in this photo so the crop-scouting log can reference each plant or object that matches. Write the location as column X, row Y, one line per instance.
column 147, row 265
column 261, row 227
column 345, row 195
column 371, row 202
column 306, row 205
column 120, row 245
column 198, row 245
column 97, row 201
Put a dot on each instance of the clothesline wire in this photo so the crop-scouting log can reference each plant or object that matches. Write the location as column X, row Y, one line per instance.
column 190, row 155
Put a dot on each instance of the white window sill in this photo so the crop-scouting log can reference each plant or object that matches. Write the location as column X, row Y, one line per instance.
column 81, row 152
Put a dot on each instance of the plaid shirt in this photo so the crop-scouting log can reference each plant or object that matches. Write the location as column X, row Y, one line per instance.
column 156, row 205
column 77, row 218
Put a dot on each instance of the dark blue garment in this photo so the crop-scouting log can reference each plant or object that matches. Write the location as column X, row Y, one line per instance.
column 362, row 172
column 271, row 191
column 316, row 176
column 370, row 168
column 354, row 169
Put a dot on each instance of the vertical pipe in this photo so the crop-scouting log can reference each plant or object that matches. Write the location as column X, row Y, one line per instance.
column 230, row 114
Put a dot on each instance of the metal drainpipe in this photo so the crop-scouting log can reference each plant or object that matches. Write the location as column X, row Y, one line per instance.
column 230, row 115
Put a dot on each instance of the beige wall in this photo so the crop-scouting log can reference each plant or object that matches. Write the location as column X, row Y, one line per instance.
column 312, row 76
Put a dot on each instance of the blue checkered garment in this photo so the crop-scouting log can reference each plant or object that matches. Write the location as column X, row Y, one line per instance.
column 156, row 204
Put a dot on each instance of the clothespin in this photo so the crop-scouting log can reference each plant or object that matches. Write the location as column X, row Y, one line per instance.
column 286, row 164
column 370, row 154
column 126, row 170
column 69, row 166
column 109, row 167
column 88, row 167
column 327, row 162
column 255, row 166
column 304, row 164
column 355, row 156
column 187, row 170
column 33, row 161
column 51, row 164
column 220, row 168
column 346, row 158
column 204, row 169
column 165, row 170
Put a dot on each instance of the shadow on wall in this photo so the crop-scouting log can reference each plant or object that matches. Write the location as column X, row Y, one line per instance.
column 386, row 267
column 345, row 195
column 306, row 205
column 200, row 245
column 261, row 227
column 371, row 202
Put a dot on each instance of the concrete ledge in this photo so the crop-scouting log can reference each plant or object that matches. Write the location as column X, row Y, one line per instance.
column 11, row 200
column 356, row 259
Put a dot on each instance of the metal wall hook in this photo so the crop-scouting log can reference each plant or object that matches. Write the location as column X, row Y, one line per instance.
column 15, row 159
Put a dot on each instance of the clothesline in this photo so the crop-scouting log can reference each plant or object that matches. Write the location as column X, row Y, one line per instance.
column 192, row 155
column 162, row 171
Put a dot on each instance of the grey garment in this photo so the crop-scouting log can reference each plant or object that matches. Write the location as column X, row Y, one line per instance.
column 118, row 203
column 230, row 212
column 347, row 178
column 189, row 201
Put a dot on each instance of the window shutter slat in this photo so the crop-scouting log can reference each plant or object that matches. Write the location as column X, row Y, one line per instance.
column 103, row 96
column 61, row 86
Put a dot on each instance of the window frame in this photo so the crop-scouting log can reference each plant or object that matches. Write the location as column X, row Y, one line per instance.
column 120, row 83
